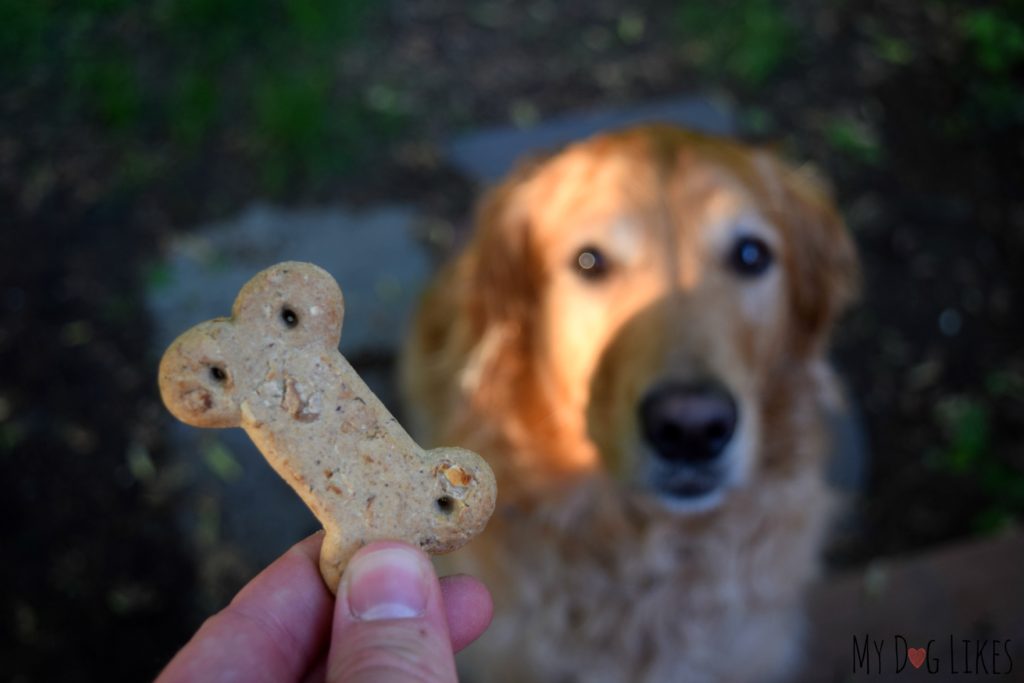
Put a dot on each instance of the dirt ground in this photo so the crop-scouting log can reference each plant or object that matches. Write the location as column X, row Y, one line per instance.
column 913, row 112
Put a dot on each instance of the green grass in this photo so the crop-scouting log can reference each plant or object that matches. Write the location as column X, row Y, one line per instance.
column 22, row 28
column 969, row 434
column 292, row 122
column 108, row 90
column 893, row 50
column 195, row 103
column 252, row 75
column 994, row 38
column 748, row 40
column 854, row 140
column 219, row 459
column 968, row 452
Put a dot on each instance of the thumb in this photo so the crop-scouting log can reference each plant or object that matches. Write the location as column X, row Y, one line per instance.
column 389, row 620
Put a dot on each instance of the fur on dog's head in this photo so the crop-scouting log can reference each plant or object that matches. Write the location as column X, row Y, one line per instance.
column 633, row 304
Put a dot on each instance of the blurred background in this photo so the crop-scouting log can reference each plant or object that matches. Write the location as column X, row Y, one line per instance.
column 154, row 155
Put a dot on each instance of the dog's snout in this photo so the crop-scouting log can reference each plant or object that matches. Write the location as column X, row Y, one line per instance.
column 688, row 424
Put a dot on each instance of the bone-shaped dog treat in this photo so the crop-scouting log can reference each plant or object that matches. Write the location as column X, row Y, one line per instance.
column 274, row 369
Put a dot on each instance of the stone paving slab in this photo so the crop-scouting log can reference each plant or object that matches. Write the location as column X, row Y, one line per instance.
column 972, row 591
column 372, row 254
column 487, row 155
column 232, row 498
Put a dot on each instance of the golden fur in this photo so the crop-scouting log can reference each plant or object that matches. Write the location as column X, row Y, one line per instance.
column 517, row 357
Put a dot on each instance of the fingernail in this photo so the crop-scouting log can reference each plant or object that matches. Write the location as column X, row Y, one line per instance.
column 391, row 583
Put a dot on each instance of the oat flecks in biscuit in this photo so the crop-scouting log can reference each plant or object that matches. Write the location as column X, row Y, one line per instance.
column 274, row 369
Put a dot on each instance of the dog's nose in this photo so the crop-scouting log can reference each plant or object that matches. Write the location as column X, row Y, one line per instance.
column 686, row 423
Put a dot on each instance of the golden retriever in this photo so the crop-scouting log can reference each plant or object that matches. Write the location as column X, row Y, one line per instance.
column 635, row 339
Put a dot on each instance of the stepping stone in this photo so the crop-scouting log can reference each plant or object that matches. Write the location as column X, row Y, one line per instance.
column 487, row 155
column 373, row 255
column 963, row 591
column 381, row 269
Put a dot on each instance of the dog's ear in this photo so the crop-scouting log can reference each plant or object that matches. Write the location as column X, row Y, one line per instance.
column 500, row 286
column 471, row 346
column 499, row 264
column 820, row 255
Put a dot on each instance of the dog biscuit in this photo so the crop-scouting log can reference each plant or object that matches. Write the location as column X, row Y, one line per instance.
column 274, row 369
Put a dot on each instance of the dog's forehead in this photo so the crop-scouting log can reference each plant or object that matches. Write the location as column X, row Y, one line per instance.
column 584, row 181
column 626, row 190
column 727, row 209
column 611, row 196
column 718, row 203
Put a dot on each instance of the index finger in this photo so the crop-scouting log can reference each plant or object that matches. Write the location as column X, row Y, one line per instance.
column 272, row 631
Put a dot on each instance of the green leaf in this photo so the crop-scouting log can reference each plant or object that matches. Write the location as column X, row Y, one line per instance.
column 220, row 460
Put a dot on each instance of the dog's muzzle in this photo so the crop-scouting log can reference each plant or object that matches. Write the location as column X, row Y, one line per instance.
column 687, row 428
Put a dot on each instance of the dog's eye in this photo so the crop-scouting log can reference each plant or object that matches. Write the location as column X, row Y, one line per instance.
column 591, row 263
column 750, row 256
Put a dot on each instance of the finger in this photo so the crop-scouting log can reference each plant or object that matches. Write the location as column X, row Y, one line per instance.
column 272, row 631
column 468, row 606
column 318, row 674
column 389, row 620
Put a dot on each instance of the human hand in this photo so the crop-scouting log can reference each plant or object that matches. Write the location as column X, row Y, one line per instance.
column 392, row 621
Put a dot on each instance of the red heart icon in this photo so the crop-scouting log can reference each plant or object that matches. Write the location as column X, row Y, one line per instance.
column 916, row 655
